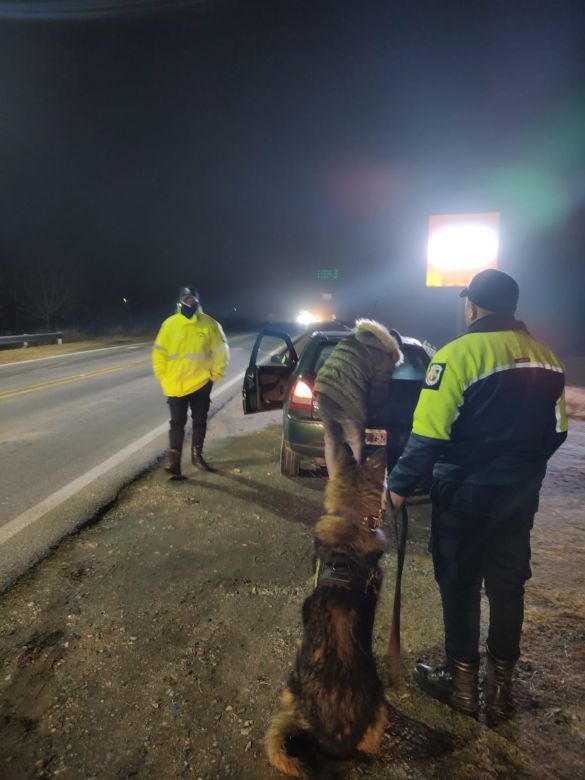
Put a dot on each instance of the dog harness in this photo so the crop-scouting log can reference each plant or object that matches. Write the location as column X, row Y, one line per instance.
column 340, row 571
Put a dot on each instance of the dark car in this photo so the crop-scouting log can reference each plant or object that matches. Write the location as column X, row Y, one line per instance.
column 281, row 374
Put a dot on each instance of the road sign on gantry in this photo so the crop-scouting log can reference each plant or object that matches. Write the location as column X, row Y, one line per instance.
column 459, row 246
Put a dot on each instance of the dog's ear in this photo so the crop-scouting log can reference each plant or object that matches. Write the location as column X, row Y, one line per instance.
column 378, row 460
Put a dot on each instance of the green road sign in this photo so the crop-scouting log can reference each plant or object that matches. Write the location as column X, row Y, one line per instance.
column 328, row 273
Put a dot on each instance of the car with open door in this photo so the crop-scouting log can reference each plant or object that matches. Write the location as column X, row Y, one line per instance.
column 281, row 375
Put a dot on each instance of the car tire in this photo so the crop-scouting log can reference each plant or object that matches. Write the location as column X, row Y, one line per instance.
column 290, row 462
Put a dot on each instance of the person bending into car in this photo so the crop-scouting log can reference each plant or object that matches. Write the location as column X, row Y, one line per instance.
column 190, row 353
column 489, row 416
column 354, row 376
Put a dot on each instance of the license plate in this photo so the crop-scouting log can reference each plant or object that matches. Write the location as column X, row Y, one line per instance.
column 376, row 437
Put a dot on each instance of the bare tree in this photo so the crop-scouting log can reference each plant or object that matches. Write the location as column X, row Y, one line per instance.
column 42, row 292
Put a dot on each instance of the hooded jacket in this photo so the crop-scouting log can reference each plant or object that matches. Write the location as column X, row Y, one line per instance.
column 359, row 370
column 491, row 411
column 188, row 353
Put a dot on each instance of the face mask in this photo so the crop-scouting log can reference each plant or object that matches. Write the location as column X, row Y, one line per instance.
column 188, row 311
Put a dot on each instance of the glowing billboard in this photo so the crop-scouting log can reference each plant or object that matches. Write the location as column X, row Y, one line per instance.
column 459, row 246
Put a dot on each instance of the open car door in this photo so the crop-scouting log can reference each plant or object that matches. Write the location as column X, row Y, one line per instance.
column 272, row 363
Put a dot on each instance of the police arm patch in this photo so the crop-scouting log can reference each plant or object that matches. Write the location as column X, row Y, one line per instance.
column 434, row 376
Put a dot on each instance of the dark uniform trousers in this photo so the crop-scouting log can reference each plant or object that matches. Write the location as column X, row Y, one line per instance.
column 481, row 534
column 199, row 402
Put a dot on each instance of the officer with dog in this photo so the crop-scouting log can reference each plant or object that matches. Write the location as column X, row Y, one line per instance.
column 190, row 353
column 490, row 415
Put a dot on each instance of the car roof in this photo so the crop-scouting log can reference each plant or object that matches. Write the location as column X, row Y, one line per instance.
column 337, row 335
column 329, row 335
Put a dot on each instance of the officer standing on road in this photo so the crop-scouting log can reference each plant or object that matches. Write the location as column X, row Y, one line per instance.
column 190, row 353
column 490, row 415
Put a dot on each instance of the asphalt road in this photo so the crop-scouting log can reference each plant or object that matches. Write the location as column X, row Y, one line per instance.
column 73, row 431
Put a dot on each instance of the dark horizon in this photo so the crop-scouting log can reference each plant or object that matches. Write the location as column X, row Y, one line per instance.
column 241, row 147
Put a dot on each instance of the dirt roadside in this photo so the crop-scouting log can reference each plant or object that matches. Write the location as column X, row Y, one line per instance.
column 154, row 644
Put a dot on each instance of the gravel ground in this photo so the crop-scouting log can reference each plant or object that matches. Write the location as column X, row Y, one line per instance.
column 154, row 643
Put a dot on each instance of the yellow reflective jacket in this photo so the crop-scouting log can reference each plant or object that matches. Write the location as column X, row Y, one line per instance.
column 187, row 353
column 491, row 410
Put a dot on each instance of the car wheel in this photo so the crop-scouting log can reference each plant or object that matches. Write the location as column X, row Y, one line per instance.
column 290, row 462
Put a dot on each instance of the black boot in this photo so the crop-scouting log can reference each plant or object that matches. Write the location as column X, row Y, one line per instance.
column 197, row 459
column 455, row 684
column 498, row 685
column 173, row 467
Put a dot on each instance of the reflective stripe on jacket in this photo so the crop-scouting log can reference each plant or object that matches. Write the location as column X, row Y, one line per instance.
column 187, row 353
column 491, row 411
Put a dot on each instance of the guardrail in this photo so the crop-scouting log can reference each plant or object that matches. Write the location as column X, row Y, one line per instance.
column 26, row 339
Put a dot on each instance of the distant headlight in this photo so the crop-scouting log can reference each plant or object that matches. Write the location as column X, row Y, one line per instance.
column 306, row 318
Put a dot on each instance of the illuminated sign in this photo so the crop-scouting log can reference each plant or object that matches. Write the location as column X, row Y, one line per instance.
column 459, row 246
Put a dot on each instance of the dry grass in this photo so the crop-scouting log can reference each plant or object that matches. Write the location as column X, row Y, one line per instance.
column 48, row 350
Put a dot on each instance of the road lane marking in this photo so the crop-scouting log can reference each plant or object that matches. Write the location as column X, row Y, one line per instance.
column 84, row 375
column 73, row 378
column 14, row 363
column 30, row 516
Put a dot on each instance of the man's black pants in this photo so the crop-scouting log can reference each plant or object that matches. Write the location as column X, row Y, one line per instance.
column 199, row 402
column 481, row 534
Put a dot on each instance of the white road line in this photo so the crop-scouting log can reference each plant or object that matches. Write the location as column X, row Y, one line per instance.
column 33, row 514
column 72, row 354
column 100, row 349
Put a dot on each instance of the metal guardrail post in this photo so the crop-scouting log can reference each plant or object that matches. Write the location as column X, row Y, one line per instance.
column 25, row 339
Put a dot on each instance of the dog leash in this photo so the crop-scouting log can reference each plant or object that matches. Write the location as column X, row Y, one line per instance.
column 400, row 519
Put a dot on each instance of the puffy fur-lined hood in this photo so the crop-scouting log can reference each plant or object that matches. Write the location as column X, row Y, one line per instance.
column 363, row 329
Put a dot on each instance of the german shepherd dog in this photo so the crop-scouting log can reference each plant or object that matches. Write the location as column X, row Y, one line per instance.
column 333, row 706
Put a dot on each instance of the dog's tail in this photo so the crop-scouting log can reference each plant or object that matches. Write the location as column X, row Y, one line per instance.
column 288, row 740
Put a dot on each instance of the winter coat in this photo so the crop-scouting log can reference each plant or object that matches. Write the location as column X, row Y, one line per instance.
column 359, row 370
column 188, row 353
column 491, row 410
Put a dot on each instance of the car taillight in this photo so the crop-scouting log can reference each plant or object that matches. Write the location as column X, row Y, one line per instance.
column 301, row 396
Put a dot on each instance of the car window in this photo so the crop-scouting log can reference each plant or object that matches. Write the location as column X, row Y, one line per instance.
column 273, row 351
column 414, row 367
column 415, row 363
column 326, row 350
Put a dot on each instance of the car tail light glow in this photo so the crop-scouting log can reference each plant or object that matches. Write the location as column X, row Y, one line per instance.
column 301, row 396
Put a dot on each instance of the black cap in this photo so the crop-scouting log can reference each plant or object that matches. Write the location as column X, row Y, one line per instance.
column 188, row 292
column 493, row 290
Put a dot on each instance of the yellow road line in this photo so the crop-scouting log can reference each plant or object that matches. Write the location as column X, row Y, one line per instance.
column 75, row 378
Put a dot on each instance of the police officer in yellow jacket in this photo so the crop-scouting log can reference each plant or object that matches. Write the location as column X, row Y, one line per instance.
column 190, row 353
column 490, row 415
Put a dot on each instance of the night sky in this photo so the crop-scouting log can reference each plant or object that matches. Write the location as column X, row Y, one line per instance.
column 242, row 146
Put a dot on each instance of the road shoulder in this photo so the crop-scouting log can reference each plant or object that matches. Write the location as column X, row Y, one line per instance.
column 155, row 643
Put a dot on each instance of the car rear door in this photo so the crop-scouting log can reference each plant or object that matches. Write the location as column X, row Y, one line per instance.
column 272, row 362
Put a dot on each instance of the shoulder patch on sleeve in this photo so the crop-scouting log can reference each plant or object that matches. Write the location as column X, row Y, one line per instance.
column 434, row 376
